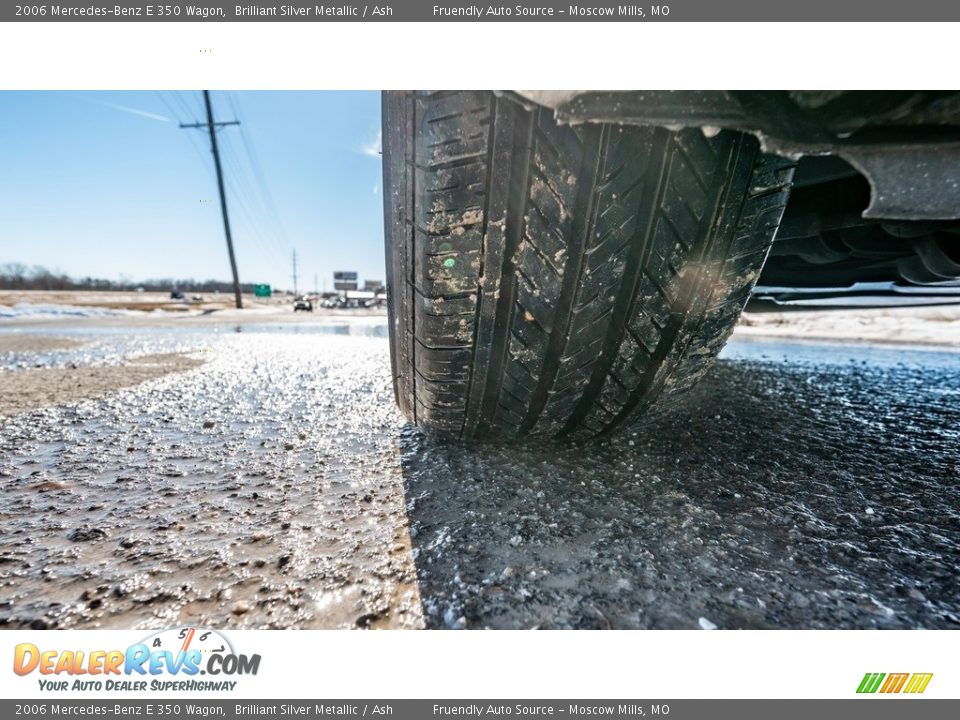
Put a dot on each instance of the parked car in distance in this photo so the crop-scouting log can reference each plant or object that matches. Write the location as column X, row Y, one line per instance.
column 303, row 303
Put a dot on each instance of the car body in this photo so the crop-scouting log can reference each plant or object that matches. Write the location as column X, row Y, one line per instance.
column 563, row 264
column 874, row 208
column 304, row 303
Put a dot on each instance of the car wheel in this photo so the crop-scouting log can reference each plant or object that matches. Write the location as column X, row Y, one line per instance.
column 561, row 280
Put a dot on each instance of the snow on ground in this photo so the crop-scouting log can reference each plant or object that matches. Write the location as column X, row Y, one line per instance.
column 937, row 325
column 46, row 311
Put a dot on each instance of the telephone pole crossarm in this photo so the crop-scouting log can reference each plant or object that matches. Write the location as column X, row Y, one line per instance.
column 206, row 126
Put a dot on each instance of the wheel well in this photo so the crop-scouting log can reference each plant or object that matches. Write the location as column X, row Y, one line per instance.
column 825, row 242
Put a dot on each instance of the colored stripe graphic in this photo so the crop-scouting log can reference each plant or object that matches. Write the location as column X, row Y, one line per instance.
column 870, row 682
column 894, row 683
column 918, row 682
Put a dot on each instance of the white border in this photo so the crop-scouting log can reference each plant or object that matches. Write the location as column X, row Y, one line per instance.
column 352, row 56
column 550, row 665
column 685, row 664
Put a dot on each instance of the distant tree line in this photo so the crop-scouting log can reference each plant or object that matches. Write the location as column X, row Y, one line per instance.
column 18, row 276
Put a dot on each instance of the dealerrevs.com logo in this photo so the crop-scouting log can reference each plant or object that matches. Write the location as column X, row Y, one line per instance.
column 889, row 683
column 169, row 660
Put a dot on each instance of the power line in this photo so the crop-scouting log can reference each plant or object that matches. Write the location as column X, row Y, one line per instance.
column 181, row 101
column 258, row 174
column 236, row 190
column 168, row 106
column 193, row 142
column 252, row 201
column 244, row 198
column 244, row 180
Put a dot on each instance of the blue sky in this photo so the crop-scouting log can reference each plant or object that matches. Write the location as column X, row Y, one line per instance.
column 106, row 184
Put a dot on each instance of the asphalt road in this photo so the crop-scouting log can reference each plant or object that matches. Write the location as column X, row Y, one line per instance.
column 275, row 485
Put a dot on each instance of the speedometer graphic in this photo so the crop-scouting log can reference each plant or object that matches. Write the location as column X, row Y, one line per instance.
column 183, row 639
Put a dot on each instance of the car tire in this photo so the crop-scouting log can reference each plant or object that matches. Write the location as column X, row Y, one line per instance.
column 554, row 280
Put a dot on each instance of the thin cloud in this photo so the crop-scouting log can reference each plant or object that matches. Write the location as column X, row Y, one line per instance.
column 374, row 147
column 132, row 111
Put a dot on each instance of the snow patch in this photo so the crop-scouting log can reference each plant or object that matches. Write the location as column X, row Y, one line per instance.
column 29, row 310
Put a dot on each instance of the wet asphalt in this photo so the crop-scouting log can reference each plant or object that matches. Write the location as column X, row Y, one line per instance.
column 275, row 486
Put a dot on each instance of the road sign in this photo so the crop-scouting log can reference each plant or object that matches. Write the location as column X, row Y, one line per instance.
column 262, row 291
column 344, row 280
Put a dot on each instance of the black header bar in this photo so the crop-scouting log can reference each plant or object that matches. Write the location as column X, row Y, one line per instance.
column 466, row 11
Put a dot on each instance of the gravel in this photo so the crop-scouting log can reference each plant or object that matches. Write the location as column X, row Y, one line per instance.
column 276, row 486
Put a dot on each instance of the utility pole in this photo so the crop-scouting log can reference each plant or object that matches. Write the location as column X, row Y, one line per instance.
column 316, row 287
column 295, row 271
column 212, row 127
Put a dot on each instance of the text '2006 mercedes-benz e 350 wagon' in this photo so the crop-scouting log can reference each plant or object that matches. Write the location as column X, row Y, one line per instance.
column 564, row 263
